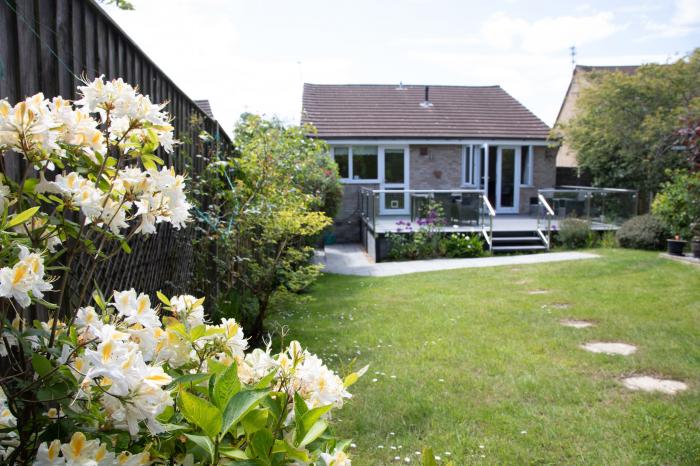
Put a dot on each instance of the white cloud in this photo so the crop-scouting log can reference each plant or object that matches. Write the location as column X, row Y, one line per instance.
column 685, row 21
column 549, row 34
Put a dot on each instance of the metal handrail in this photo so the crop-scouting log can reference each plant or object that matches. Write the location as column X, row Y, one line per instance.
column 542, row 201
column 492, row 213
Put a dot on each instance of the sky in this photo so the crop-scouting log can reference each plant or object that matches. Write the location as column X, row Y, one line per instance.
column 254, row 56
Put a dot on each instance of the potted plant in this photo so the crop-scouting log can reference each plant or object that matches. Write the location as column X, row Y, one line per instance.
column 677, row 205
column 695, row 243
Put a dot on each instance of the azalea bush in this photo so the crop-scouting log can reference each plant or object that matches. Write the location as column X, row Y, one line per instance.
column 115, row 379
column 678, row 203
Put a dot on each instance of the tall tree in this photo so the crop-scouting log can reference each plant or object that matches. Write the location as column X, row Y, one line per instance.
column 626, row 131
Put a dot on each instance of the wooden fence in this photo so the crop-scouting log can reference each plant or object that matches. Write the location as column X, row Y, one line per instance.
column 47, row 46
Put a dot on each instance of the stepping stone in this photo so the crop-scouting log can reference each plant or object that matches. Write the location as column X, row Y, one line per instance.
column 560, row 306
column 576, row 323
column 652, row 384
column 610, row 348
column 538, row 292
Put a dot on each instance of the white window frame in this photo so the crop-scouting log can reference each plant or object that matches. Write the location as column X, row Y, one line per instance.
column 351, row 180
column 527, row 180
column 471, row 162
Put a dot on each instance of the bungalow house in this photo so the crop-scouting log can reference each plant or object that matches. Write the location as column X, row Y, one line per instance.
column 475, row 150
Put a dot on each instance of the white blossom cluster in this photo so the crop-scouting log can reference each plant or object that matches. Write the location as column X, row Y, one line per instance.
column 158, row 196
column 26, row 276
column 37, row 127
column 124, row 109
column 83, row 452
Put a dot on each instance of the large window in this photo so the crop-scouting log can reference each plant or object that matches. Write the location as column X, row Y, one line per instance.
column 526, row 166
column 470, row 166
column 357, row 163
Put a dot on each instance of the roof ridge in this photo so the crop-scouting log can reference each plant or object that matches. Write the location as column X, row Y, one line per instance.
column 402, row 84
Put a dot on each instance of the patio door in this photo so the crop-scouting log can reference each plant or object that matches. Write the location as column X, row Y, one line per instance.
column 508, row 179
column 393, row 174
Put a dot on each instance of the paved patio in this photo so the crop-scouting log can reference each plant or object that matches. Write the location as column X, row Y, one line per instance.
column 351, row 259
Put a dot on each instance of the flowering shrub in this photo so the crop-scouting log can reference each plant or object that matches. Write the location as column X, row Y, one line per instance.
column 462, row 245
column 119, row 380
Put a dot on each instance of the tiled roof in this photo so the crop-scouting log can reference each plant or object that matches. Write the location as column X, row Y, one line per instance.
column 206, row 107
column 392, row 111
column 627, row 69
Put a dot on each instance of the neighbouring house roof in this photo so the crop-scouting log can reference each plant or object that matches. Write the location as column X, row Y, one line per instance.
column 395, row 111
column 627, row 69
column 206, row 107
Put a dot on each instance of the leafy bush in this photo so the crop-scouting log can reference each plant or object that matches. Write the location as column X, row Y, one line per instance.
column 116, row 380
column 609, row 240
column 575, row 233
column 678, row 204
column 462, row 245
column 642, row 232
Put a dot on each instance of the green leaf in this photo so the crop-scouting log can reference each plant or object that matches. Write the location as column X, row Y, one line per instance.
column 41, row 364
column 163, row 299
column 197, row 332
column 313, row 415
column 188, row 378
column 201, row 413
column 22, row 217
column 255, row 420
column 261, row 444
column 99, row 299
column 227, row 385
column 314, row 433
column 204, row 443
column 233, row 453
column 239, row 405
column 265, row 381
column 300, row 454
column 428, row 457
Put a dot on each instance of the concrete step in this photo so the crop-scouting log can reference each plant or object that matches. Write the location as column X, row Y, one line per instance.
column 520, row 247
column 513, row 239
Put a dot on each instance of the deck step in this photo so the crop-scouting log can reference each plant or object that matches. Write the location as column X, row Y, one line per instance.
column 507, row 239
column 520, row 247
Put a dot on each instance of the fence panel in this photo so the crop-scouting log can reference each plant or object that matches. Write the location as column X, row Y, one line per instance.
column 47, row 46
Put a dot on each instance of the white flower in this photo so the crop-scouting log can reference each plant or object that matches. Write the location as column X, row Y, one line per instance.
column 338, row 458
column 136, row 309
column 26, row 276
column 48, row 454
column 235, row 340
column 188, row 310
column 4, row 195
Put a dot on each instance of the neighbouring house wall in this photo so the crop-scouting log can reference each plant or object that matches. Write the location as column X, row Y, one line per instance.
column 440, row 169
column 347, row 221
column 544, row 175
column 566, row 156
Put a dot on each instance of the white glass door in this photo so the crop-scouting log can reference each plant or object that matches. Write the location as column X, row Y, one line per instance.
column 393, row 174
column 508, row 180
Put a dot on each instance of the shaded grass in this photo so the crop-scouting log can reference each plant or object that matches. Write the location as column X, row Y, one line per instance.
column 483, row 369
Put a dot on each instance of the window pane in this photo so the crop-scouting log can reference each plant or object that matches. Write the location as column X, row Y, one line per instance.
column 364, row 162
column 468, row 165
column 393, row 166
column 340, row 154
column 394, row 200
column 525, row 167
column 507, row 177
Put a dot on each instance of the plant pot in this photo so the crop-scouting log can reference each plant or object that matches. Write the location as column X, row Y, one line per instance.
column 676, row 246
column 695, row 247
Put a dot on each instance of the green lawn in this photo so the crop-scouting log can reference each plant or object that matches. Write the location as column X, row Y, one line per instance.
column 469, row 362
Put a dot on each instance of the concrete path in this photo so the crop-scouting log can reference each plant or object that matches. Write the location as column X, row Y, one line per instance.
column 351, row 259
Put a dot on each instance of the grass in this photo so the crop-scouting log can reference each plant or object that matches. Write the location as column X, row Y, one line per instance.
column 483, row 369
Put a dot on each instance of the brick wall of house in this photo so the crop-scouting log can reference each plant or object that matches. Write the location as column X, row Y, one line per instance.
column 544, row 174
column 347, row 222
column 440, row 169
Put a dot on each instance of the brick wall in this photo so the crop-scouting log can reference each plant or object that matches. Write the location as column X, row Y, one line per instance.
column 544, row 174
column 440, row 169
